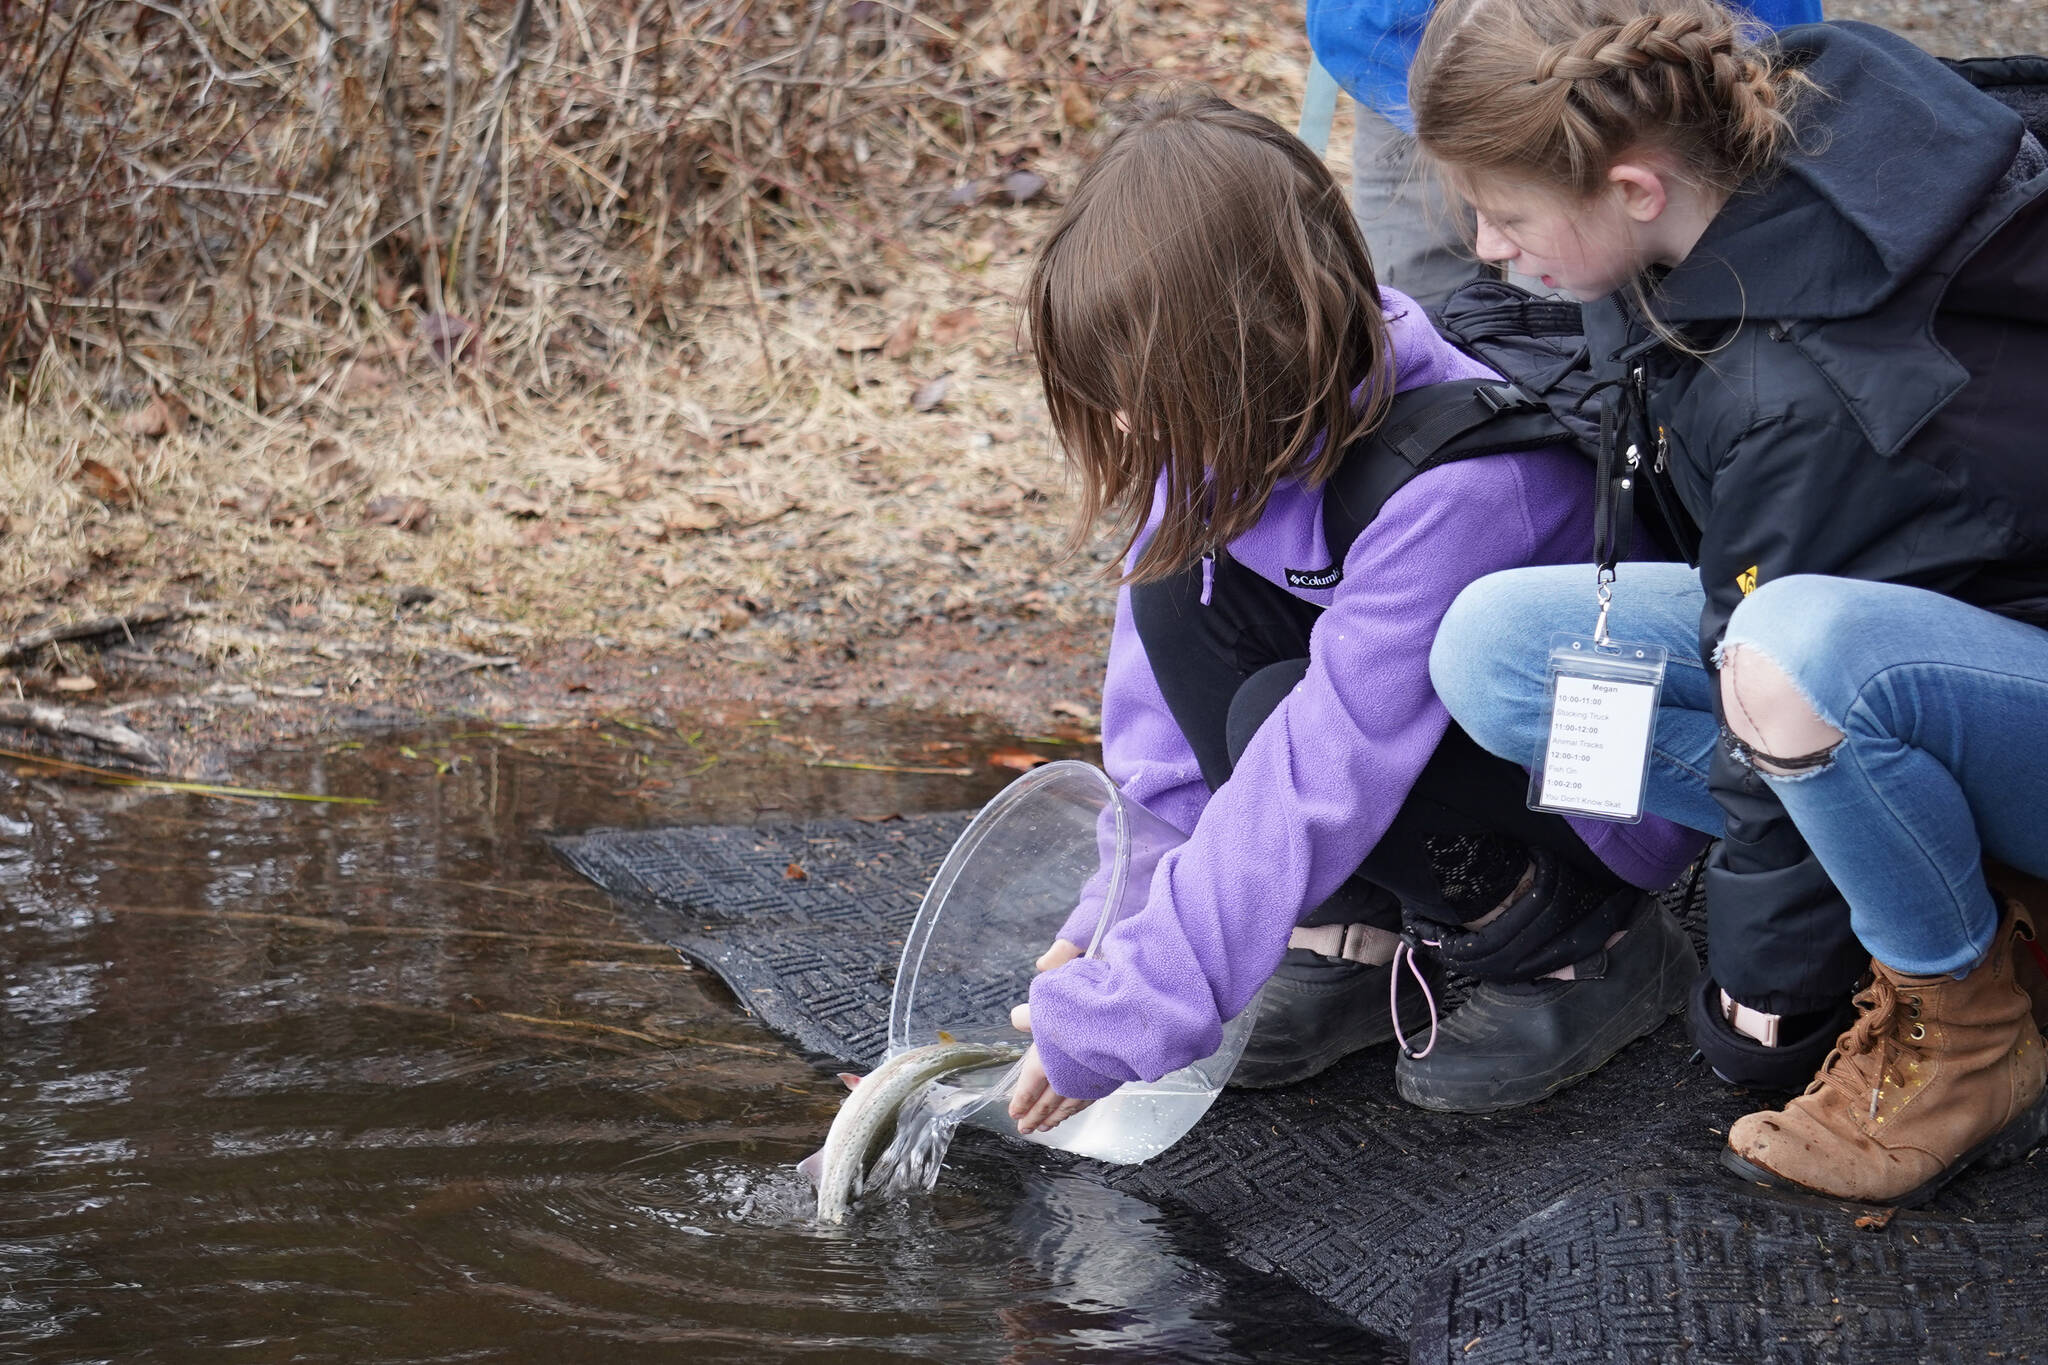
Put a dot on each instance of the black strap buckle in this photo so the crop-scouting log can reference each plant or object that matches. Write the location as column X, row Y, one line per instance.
column 1508, row 397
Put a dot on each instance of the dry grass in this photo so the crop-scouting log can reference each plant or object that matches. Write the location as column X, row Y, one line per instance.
column 655, row 433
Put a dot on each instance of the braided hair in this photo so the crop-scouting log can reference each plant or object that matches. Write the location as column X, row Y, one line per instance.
column 1558, row 91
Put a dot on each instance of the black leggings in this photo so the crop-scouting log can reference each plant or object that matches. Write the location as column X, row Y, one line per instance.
column 1224, row 667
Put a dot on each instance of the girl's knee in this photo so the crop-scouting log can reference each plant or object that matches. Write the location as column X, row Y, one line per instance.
column 1777, row 723
column 1804, row 620
column 1777, row 641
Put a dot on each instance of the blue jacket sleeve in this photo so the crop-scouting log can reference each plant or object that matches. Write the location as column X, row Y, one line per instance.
column 1368, row 45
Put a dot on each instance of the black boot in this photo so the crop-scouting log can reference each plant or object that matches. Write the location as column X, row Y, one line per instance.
column 1317, row 1010
column 1741, row 1061
column 1520, row 1035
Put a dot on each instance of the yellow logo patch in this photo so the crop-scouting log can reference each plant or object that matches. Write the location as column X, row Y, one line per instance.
column 1746, row 580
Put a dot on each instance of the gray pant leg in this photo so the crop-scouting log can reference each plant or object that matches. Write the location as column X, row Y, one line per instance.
column 1415, row 232
column 1418, row 233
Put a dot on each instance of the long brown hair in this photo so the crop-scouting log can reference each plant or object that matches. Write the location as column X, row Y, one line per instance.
column 1555, row 92
column 1203, row 310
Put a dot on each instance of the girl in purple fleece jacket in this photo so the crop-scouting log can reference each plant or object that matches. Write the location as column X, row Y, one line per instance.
column 1203, row 316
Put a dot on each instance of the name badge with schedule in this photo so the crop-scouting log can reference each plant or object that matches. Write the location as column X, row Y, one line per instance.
column 1602, row 714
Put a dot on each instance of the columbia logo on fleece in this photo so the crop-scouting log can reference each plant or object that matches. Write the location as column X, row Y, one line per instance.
column 1316, row 578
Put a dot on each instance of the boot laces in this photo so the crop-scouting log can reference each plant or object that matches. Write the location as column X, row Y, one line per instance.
column 1878, row 1030
column 1405, row 951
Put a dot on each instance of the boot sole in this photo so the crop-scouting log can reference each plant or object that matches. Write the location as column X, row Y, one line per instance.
column 1466, row 1099
column 2002, row 1148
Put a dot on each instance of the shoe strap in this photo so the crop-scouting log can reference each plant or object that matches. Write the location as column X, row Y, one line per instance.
column 1406, row 950
column 1361, row 943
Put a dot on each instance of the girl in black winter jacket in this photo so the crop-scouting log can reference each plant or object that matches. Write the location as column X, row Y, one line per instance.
column 1816, row 281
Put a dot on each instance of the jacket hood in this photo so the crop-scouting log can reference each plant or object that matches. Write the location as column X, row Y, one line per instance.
column 1893, row 155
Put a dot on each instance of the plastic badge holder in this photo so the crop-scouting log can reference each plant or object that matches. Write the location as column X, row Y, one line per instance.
column 1601, row 722
column 1057, row 837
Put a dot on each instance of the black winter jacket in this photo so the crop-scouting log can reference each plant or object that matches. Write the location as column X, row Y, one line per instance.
column 1870, row 401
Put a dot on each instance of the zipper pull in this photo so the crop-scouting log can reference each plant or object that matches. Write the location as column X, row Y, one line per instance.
column 1208, row 576
column 1663, row 445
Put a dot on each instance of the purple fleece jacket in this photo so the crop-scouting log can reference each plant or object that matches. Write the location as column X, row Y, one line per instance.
column 1326, row 773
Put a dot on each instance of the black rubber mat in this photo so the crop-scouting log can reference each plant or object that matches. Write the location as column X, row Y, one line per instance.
column 1592, row 1227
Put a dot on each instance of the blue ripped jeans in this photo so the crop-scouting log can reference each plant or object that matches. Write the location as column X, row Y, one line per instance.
column 1943, row 708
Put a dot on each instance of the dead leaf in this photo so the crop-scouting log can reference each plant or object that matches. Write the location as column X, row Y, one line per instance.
column 995, row 59
column 932, row 393
column 862, row 343
column 1875, row 1222
column 387, row 285
column 948, row 328
column 407, row 514
column 879, row 819
column 681, row 521
column 977, row 252
column 759, row 434
column 1074, row 711
column 1017, row 760
column 365, row 380
column 634, row 479
column 1077, row 107
column 514, row 502
column 904, row 337
column 673, row 576
column 1021, row 187
column 448, row 337
column 328, row 466
column 106, row 483
column 161, row 416
column 79, row 683
column 6, row 524
column 794, row 873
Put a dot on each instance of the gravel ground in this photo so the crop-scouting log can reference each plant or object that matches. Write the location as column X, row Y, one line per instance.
column 1957, row 28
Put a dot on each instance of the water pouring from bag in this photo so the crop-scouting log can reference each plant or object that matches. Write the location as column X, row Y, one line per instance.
column 1058, row 854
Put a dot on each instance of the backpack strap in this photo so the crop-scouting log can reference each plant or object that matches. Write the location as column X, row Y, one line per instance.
column 1427, row 426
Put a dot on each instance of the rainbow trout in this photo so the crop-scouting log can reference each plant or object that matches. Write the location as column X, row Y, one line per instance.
column 861, row 1130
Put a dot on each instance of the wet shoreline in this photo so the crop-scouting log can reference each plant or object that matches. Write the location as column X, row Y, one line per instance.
column 307, row 1081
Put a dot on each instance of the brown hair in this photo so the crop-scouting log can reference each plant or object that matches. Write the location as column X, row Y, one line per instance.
column 1203, row 309
column 1557, row 91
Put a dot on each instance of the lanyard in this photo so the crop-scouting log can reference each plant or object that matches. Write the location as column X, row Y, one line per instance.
column 1624, row 426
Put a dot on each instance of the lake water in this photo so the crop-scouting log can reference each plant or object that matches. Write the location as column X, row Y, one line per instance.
column 283, row 1081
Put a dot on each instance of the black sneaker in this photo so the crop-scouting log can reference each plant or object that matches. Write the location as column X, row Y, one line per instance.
column 1317, row 1010
column 1512, row 1044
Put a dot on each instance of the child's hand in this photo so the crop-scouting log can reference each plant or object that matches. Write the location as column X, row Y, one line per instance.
column 1059, row 955
column 1034, row 1104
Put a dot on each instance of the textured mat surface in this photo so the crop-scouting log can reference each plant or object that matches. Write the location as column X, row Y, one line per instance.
column 1592, row 1227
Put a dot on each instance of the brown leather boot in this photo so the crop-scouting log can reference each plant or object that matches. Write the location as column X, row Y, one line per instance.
column 1935, row 1076
column 2030, row 962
